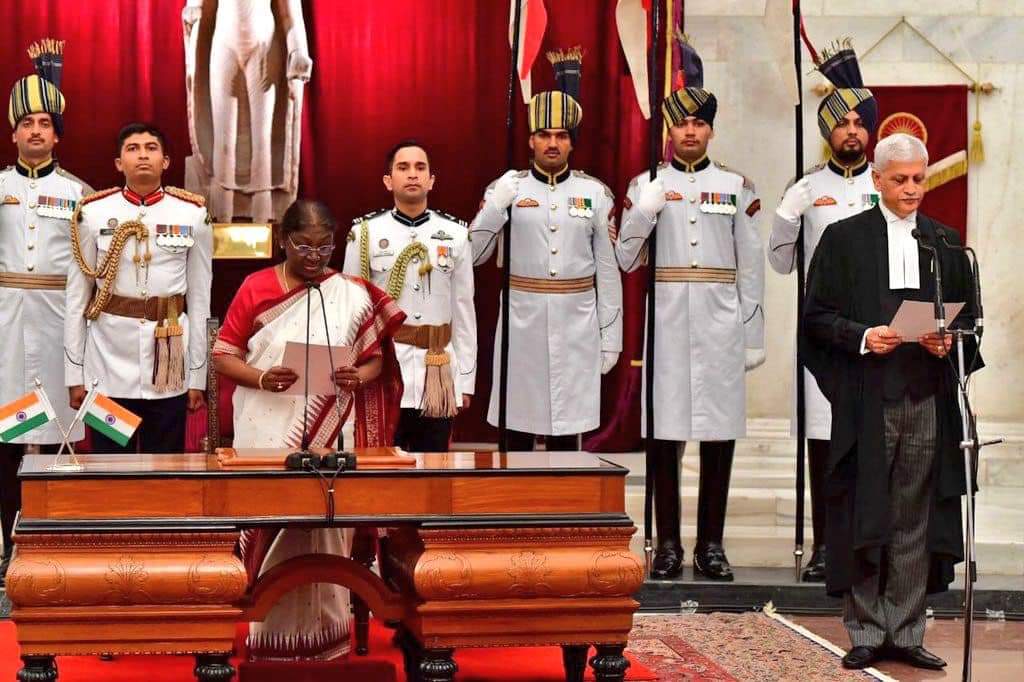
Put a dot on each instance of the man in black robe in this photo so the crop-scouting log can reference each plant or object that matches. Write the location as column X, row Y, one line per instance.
column 895, row 471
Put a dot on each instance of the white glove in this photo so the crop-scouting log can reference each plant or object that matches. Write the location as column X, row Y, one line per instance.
column 754, row 359
column 505, row 190
column 609, row 358
column 652, row 198
column 795, row 201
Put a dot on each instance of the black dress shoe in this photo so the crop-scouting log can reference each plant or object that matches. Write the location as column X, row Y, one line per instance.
column 814, row 572
column 860, row 657
column 919, row 657
column 668, row 562
column 710, row 561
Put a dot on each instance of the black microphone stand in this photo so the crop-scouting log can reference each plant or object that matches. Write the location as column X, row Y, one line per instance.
column 302, row 457
column 970, row 444
column 339, row 460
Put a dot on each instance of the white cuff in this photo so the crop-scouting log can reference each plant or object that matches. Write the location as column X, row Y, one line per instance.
column 864, row 342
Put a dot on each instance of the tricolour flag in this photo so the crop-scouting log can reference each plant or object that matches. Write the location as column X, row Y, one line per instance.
column 110, row 419
column 533, row 20
column 20, row 416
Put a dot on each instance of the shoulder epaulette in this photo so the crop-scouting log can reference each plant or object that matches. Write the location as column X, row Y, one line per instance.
column 522, row 173
column 9, row 168
column 185, row 195
column 86, row 188
column 98, row 195
column 747, row 182
column 585, row 176
column 370, row 215
column 449, row 216
column 816, row 167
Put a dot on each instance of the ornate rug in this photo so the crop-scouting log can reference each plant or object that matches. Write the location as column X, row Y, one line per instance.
column 743, row 647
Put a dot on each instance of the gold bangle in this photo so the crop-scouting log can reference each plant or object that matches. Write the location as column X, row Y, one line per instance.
column 259, row 382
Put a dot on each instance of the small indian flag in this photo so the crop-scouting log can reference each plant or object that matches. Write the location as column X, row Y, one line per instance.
column 110, row 419
column 24, row 414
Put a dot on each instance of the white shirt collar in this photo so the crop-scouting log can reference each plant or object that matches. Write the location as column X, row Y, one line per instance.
column 904, row 261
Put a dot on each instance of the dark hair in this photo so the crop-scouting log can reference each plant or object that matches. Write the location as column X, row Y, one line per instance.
column 400, row 146
column 139, row 128
column 305, row 213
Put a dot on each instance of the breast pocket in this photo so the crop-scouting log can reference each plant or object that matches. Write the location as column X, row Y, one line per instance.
column 103, row 243
column 382, row 259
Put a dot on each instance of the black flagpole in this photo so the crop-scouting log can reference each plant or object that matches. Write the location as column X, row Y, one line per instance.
column 801, row 417
column 652, row 253
column 506, row 231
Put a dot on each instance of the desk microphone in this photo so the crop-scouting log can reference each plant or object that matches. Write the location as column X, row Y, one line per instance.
column 339, row 459
column 940, row 311
column 301, row 458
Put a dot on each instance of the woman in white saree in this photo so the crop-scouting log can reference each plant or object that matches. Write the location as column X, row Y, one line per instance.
column 269, row 310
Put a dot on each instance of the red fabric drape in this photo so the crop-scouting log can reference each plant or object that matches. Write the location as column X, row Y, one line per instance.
column 942, row 111
column 435, row 70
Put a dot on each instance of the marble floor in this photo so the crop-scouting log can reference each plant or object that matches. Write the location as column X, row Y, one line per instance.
column 998, row 648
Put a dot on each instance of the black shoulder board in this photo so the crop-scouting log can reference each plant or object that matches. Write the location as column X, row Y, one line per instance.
column 450, row 217
column 370, row 215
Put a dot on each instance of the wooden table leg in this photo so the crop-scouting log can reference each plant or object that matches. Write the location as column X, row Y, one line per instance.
column 574, row 659
column 609, row 664
column 437, row 665
column 213, row 668
column 411, row 653
column 38, row 669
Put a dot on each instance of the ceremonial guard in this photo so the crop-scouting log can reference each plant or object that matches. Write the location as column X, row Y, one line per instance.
column 563, row 332
column 840, row 188
column 708, row 315
column 38, row 199
column 422, row 258
column 142, row 283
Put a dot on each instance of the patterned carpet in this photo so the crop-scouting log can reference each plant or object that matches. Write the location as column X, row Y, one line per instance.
column 732, row 647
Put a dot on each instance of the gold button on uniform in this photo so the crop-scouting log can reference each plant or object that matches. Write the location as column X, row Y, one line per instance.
column 30, row 268
column 31, row 246
column 31, row 227
column 553, row 273
column 692, row 179
column 693, row 264
column 553, row 228
column 693, row 242
column 32, row 204
column 693, row 219
column 554, row 206
column 554, row 249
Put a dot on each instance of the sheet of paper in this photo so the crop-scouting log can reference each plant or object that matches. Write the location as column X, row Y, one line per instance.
column 914, row 319
column 321, row 373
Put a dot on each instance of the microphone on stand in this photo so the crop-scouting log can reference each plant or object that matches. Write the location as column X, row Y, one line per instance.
column 302, row 458
column 979, row 314
column 339, row 459
column 940, row 312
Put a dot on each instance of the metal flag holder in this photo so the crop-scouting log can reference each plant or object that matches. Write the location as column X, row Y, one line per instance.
column 71, row 463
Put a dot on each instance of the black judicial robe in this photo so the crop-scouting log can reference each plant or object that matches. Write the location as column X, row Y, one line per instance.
column 848, row 292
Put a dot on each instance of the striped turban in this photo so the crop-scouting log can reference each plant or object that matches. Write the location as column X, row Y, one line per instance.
column 684, row 102
column 34, row 95
column 839, row 65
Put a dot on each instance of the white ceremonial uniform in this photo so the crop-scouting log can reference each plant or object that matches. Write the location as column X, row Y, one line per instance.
column 562, row 229
column 442, row 296
column 707, row 229
column 35, row 248
column 838, row 193
column 117, row 350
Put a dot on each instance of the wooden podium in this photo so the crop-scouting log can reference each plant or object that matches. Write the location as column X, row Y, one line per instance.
column 136, row 554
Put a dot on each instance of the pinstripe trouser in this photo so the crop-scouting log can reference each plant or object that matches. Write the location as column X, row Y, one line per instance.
column 896, row 615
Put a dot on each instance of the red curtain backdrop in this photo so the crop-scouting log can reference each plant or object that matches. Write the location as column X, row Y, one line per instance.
column 941, row 117
column 434, row 70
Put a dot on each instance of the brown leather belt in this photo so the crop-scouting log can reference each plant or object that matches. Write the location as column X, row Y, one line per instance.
column 24, row 280
column 538, row 285
column 427, row 336
column 714, row 275
column 153, row 308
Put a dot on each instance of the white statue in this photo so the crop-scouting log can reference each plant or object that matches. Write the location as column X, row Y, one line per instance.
column 246, row 62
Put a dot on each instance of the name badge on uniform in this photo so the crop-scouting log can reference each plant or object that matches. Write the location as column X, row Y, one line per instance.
column 581, row 207
column 718, row 202
column 444, row 257
column 869, row 199
column 174, row 238
column 55, row 207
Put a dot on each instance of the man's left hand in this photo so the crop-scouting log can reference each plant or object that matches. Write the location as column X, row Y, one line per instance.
column 196, row 399
column 466, row 400
column 937, row 345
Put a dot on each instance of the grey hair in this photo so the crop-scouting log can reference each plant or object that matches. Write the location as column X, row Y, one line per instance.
column 899, row 147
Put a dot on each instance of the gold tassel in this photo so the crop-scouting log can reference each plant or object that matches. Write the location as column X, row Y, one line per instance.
column 162, row 353
column 175, row 359
column 439, row 387
column 977, row 146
